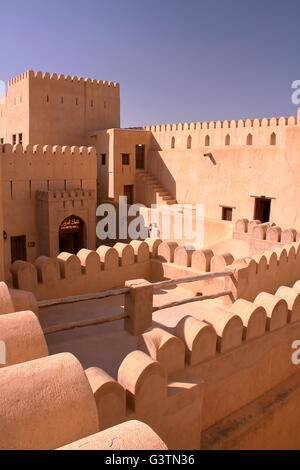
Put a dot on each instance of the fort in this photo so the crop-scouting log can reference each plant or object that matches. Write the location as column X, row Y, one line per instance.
column 145, row 343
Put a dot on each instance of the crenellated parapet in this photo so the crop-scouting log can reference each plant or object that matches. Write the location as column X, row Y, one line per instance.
column 227, row 348
column 269, row 132
column 45, row 162
column 234, row 124
column 263, row 236
column 174, row 261
column 47, row 150
column 62, row 196
column 47, row 77
column 264, row 272
column 88, row 271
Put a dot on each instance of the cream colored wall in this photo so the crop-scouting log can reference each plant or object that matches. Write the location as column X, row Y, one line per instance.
column 32, row 169
column 103, row 142
column 113, row 142
column 240, row 170
column 68, row 123
column 14, row 114
column 125, row 141
column 75, row 107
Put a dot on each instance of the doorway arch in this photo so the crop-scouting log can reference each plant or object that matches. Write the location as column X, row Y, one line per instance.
column 71, row 234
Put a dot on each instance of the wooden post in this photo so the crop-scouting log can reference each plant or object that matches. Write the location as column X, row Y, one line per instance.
column 138, row 306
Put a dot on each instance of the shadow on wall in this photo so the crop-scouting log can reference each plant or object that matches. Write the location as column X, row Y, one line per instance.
column 103, row 169
column 157, row 167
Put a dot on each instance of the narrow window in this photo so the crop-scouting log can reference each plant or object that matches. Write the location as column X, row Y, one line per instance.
column 273, row 139
column 125, row 159
column 249, row 139
column 18, row 248
column 1, row 141
column 62, row 100
column 103, row 158
column 47, row 98
column 189, row 142
column 104, row 104
column 14, row 139
column 262, row 209
column 76, row 101
column 92, row 103
column 227, row 140
column 21, row 139
column 173, row 143
column 207, row 141
column 227, row 213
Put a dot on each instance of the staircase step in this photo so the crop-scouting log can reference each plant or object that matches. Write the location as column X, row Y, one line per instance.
column 162, row 196
column 171, row 201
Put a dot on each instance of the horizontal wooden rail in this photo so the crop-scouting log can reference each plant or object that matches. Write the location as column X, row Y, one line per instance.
column 197, row 298
column 97, row 321
column 183, row 280
column 83, row 297
column 70, row 326
column 124, row 290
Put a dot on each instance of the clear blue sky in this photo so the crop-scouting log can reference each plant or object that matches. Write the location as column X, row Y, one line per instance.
column 176, row 60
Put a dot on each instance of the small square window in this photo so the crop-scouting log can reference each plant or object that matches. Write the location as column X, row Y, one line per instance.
column 103, row 158
column 227, row 213
column 125, row 158
column 14, row 139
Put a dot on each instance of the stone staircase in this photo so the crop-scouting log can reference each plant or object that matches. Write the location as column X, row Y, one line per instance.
column 155, row 193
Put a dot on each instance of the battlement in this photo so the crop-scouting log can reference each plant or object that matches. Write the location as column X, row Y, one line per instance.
column 89, row 271
column 47, row 150
column 38, row 162
column 264, row 272
column 30, row 74
column 267, row 231
column 66, row 195
column 264, row 237
column 234, row 124
column 108, row 268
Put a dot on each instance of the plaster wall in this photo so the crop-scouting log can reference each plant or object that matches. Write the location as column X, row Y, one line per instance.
column 236, row 171
column 33, row 169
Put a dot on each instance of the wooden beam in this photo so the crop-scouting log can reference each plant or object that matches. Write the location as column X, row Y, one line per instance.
column 82, row 324
column 83, row 297
column 183, row 280
column 197, row 298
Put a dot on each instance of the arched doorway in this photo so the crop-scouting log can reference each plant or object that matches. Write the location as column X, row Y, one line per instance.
column 71, row 234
